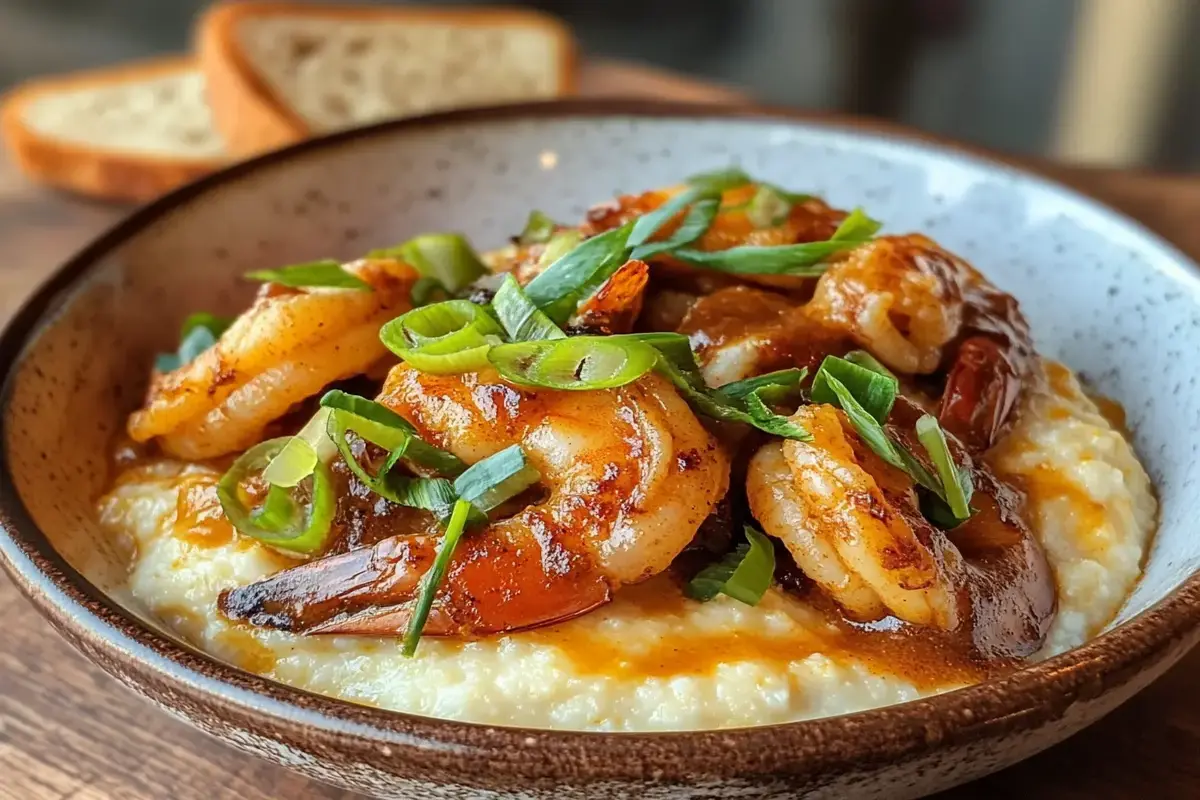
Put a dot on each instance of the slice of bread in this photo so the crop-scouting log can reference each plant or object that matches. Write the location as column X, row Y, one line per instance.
column 280, row 72
column 129, row 133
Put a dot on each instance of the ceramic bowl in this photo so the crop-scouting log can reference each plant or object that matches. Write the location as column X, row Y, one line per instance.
column 1103, row 295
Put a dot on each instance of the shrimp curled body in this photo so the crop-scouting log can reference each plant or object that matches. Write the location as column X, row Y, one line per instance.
column 628, row 474
column 284, row 348
column 853, row 525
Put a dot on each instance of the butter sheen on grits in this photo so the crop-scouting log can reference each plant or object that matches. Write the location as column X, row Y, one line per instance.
column 652, row 659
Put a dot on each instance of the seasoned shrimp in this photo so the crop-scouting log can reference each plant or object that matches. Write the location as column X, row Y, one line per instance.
column 628, row 475
column 920, row 309
column 283, row 349
column 852, row 524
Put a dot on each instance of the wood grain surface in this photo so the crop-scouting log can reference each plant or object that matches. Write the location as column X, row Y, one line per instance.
column 69, row 731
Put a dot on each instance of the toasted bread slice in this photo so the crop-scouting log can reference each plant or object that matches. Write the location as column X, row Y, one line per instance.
column 128, row 133
column 280, row 72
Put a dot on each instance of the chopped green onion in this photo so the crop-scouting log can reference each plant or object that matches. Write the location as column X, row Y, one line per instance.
column 874, row 391
column 445, row 338
column 864, row 359
column 326, row 273
column 804, row 259
column 199, row 332
column 771, row 381
column 426, row 290
column 446, row 257
column 720, row 180
column 538, row 229
column 872, row 433
column 768, row 207
column 578, row 363
column 496, row 479
column 696, row 222
column 956, row 482
column 287, row 520
column 299, row 457
column 433, row 578
column 378, row 424
column 521, row 319
column 559, row 288
column 744, row 574
column 559, row 245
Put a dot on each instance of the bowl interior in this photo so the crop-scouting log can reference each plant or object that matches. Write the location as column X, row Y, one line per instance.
column 1101, row 293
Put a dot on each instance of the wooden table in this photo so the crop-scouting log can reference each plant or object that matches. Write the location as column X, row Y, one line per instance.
column 69, row 731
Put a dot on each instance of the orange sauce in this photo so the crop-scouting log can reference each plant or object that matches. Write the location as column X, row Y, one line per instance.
column 245, row 651
column 927, row 660
column 199, row 519
column 1112, row 411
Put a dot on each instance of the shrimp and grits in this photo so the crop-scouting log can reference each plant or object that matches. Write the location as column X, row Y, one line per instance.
column 719, row 455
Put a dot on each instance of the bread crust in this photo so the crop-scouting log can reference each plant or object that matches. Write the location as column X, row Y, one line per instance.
column 96, row 172
column 254, row 119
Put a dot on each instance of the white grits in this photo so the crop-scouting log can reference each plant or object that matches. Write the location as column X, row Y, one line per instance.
column 637, row 665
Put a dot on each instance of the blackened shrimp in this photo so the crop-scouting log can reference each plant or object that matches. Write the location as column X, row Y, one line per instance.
column 628, row 476
column 853, row 525
column 286, row 347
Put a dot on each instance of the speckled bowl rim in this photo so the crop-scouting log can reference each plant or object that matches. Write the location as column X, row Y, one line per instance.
column 107, row 633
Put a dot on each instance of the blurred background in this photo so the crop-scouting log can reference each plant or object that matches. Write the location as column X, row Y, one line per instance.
column 1111, row 82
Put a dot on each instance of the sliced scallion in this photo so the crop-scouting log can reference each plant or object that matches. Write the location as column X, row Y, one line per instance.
column 559, row 288
column 874, row 391
column 696, row 222
column 446, row 257
column 199, row 332
column 432, row 579
column 768, row 208
column 426, row 290
column 578, row 363
column 298, row 520
column 299, row 457
column 378, row 424
column 720, row 180
column 559, row 245
column 538, row 229
column 522, row 320
column 744, row 574
column 445, row 338
column 327, row 274
column 496, row 479
column 804, row 259
column 956, row 482
column 864, row 359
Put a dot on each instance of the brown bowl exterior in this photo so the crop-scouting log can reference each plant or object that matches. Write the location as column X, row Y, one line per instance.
column 71, row 381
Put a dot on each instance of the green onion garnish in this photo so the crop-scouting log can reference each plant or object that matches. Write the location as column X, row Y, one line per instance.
column 298, row 520
column 559, row 288
column 559, row 245
column 445, row 338
column 384, row 428
column 864, row 359
column 299, row 457
column 956, row 482
column 496, row 479
column 199, row 332
column 538, row 229
column 446, row 257
column 521, row 319
column 719, row 180
column 744, row 574
column 578, row 363
column 327, row 273
column 805, row 259
column 874, row 391
column 696, row 222
column 433, row 578
column 769, row 207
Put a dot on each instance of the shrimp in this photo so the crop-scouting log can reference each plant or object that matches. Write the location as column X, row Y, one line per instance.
column 852, row 524
column 920, row 310
column 286, row 347
column 740, row 332
column 628, row 476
